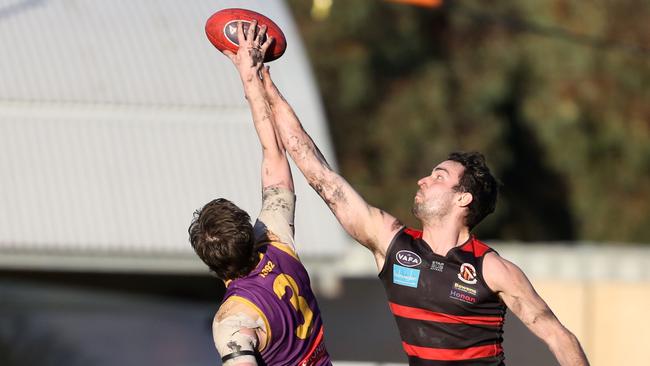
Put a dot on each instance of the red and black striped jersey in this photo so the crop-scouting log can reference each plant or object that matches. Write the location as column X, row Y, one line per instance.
column 445, row 312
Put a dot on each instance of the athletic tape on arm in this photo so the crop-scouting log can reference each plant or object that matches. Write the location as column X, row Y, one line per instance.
column 277, row 214
column 236, row 339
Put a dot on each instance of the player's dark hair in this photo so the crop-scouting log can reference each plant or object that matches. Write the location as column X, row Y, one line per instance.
column 222, row 236
column 477, row 180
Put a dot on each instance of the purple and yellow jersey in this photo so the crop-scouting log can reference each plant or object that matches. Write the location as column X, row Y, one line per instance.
column 279, row 289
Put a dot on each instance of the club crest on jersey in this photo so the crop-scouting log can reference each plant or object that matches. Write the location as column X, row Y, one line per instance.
column 408, row 259
column 467, row 273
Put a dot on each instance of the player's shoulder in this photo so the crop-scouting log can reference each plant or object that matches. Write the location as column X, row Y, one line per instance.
column 494, row 262
column 234, row 305
column 282, row 249
column 500, row 273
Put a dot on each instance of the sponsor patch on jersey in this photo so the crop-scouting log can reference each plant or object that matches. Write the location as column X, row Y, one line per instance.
column 408, row 259
column 405, row 276
column 461, row 296
column 467, row 273
column 437, row 266
column 466, row 289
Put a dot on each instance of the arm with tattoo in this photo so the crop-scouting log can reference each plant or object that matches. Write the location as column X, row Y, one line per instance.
column 369, row 225
column 248, row 61
column 275, row 221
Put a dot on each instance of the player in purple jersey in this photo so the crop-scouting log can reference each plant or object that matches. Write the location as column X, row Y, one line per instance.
column 269, row 314
column 457, row 194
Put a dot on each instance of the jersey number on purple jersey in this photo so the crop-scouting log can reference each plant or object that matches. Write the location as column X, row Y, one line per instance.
column 298, row 302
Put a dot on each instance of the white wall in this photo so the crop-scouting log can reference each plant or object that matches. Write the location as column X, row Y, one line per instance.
column 118, row 119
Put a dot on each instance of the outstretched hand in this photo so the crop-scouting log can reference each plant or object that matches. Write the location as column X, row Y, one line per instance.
column 252, row 47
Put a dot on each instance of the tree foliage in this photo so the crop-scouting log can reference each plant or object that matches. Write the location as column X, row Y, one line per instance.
column 555, row 93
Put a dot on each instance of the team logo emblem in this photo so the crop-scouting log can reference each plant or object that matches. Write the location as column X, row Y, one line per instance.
column 467, row 273
column 408, row 259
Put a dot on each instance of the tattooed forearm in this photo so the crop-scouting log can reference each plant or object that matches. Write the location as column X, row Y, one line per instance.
column 331, row 192
column 302, row 148
column 316, row 169
column 298, row 143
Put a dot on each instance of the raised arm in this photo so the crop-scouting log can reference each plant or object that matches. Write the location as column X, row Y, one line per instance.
column 275, row 222
column 518, row 294
column 369, row 225
column 248, row 61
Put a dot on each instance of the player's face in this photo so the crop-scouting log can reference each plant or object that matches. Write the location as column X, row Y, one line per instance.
column 436, row 195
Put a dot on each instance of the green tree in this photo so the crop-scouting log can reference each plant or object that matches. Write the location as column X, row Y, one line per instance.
column 554, row 93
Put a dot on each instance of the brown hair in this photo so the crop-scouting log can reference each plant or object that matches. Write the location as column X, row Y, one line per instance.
column 222, row 236
column 477, row 180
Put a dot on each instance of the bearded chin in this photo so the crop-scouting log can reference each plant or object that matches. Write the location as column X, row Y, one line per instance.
column 426, row 211
column 421, row 211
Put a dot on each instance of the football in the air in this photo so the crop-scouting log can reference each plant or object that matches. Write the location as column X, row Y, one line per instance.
column 221, row 29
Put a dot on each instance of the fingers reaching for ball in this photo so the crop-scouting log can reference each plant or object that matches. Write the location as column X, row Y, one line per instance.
column 266, row 45
column 229, row 28
column 260, row 39
column 250, row 35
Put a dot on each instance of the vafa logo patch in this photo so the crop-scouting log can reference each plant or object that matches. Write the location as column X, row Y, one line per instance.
column 408, row 259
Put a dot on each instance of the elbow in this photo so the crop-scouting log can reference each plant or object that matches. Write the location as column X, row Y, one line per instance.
column 560, row 338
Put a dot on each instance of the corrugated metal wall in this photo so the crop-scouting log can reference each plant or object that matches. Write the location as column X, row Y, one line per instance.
column 119, row 118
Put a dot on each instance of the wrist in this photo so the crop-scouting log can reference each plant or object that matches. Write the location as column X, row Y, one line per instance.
column 250, row 78
column 248, row 71
column 253, row 89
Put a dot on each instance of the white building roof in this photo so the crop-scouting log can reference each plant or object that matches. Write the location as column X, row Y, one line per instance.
column 118, row 119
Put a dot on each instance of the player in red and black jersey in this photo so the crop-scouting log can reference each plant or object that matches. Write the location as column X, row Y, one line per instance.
column 447, row 290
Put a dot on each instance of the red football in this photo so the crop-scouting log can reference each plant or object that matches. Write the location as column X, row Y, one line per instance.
column 221, row 29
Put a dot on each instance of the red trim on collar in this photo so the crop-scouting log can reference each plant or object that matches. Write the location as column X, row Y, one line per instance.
column 415, row 234
column 475, row 246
